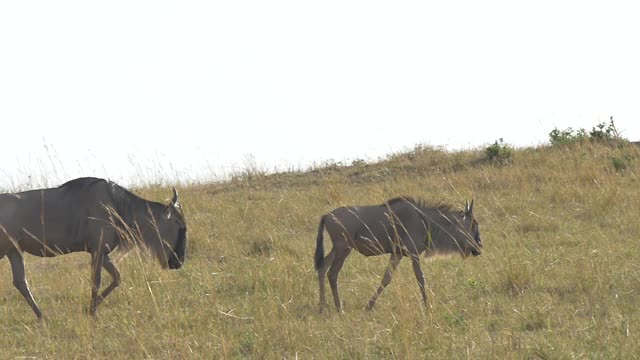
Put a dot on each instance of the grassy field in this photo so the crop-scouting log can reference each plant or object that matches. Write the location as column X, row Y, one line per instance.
column 559, row 276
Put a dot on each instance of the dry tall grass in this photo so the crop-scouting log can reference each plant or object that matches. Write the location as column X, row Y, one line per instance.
column 559, row 276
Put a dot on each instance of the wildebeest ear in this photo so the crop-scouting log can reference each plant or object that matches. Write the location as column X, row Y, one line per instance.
column 174, row 200
column 167, row 212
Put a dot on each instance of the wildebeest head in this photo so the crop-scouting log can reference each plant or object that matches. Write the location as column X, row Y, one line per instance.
column 472, row 244
column 173, row 231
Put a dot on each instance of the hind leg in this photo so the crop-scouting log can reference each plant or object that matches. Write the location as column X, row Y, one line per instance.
column 338, row 261
column 322, row 272
column 393, row 264
column 20, row 279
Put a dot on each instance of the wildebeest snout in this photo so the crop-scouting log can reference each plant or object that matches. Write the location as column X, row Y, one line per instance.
column 176, row 259
column 174, row 262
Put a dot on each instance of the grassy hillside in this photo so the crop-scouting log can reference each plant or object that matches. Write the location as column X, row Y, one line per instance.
column 559, row 276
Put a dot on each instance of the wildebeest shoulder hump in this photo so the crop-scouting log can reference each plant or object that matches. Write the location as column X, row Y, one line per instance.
column 401, row 199
column 80, row 184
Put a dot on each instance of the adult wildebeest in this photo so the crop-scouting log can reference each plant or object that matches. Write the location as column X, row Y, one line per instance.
column 401, row 227
column 92, row 215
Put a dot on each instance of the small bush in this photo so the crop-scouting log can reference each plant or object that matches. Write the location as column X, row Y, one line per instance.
column 567, row 136
column 599, row 133
column 499, row 151
column 602, row 132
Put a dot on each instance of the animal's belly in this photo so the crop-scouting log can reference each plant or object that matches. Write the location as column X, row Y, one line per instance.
column 371, row 247
column 52, row 244
column 48, row 250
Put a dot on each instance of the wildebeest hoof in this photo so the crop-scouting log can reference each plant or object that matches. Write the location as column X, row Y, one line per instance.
column 370, row 305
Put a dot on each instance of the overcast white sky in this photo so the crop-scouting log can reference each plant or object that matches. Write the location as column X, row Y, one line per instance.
column 140, row 90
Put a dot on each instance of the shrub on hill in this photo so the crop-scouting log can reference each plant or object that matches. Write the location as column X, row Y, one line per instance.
column 499, row 151
column 600, row 133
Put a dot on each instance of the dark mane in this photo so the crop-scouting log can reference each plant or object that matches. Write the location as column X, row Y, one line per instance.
column 421, row 203
column 80, row 184
column 398, row 199
column 126, row 203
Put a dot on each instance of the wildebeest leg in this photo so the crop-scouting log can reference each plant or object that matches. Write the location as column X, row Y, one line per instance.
column 334, row 270
column 97, row 260
column 20, row 279
column 115, row 275
column 393, row 264
column 322, row 272
column 415, row 261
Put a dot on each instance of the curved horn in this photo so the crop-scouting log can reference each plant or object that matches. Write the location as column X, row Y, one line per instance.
column 470, row 207
column 174, row 200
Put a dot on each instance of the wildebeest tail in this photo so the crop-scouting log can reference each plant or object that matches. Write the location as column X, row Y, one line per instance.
column 319, row 256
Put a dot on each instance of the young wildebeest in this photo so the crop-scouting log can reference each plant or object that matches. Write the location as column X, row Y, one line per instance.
column 400, row 227
column 92, row 215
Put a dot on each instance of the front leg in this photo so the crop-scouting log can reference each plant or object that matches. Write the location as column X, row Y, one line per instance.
column 415, row 261
column 97, row 260
column 386, row 279
column 108, row 265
